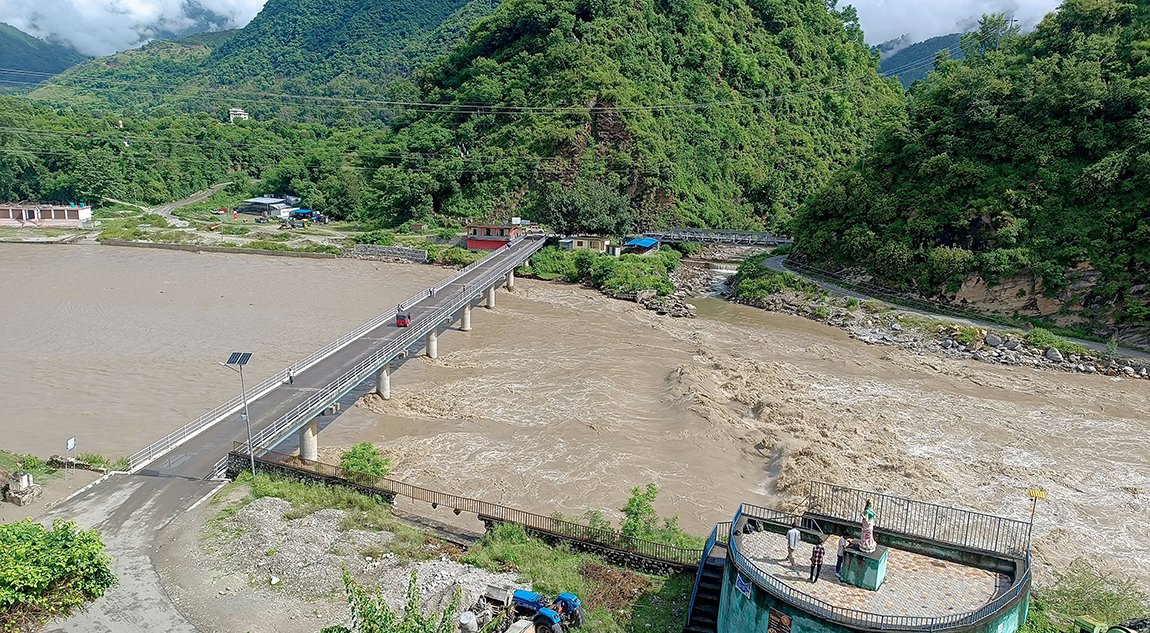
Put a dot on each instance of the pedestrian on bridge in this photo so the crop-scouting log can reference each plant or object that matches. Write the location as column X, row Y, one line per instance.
column 291, row 376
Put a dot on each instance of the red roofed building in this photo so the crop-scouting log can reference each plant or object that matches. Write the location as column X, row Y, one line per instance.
column 489, row 237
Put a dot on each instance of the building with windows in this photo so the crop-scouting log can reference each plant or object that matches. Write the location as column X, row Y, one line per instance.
column 489, row 237
column 581, row 242
column 45, row 215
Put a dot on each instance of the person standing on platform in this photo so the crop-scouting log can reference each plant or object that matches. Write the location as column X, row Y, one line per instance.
column 817, row 555
column 793, row 538
column 844, row 543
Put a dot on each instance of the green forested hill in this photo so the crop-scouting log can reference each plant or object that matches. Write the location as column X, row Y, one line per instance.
column 328, row 48
column 1030, row 161
column 916, row 61
column 20, row 51
column 669, row 112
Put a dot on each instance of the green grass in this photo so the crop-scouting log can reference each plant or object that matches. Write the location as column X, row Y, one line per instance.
column 97, row 459
column 30, row 464
column 1079, row 589
column 607, row 592
column 1045, row 339
column 266, row 245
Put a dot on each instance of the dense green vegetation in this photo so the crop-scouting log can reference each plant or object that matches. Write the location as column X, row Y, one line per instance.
column 287, row 63
column 915, row 62
column 754, row 281
column 22, row 52
column 627, row 273
column 1029, row 156
column 1079, row 589
column 49, row 573
column 364, row 458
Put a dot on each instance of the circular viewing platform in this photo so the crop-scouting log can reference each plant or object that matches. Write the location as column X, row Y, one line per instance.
column 915, row 585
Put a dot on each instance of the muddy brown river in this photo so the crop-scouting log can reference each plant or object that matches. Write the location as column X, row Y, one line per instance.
column 562, row 399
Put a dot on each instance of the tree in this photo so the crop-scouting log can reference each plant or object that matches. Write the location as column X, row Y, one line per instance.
column 365, row 459
column 46, row 574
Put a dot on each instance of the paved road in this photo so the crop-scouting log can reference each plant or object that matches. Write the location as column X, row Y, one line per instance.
column 166, row 210
column 129, row 509
column 776, row 263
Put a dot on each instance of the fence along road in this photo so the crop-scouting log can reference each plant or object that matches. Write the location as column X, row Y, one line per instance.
column 273, row 398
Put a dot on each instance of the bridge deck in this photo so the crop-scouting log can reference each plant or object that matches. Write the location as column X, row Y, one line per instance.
column 198, row 457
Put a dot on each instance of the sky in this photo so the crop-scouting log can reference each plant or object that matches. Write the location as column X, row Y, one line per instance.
column 103, row 27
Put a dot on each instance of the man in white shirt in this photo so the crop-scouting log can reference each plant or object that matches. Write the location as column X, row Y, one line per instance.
column 793, row 538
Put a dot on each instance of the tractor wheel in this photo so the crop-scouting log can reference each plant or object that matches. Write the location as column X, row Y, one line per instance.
column 578, row 617
column 544, row 625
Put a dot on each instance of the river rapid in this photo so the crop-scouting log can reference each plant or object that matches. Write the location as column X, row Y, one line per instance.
column 561, row 399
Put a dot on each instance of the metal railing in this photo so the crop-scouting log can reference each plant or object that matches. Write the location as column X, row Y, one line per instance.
column 719, row 529
column 963, row 528
column 315, row 403
column 708, row 236
column 143, row 457
column 863, row 619
column 550, row 525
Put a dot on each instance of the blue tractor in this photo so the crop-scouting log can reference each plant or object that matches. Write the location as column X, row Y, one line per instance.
column 550, row 616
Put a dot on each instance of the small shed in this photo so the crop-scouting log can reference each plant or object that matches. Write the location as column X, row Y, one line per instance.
column 581, row 242
column 641, row 246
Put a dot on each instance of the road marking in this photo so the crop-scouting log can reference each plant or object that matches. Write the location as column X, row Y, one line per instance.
column 205, row 497
column 69, row 497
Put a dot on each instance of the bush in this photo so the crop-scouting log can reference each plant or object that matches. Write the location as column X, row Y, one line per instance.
column 379, row 238
column 1081, row 590
column 1046, row 339
column 48, row 574
column 32, row 463
column 155, row 219
column 370, row 613
column 365, row 458
column 456, row 256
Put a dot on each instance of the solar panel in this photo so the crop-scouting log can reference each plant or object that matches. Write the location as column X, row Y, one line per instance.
column 239, row 358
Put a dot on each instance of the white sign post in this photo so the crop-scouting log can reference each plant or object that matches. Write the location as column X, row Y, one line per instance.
column 68, row 454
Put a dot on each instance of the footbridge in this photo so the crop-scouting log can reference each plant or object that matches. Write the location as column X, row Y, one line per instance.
column 291, row 400
column 725, row 238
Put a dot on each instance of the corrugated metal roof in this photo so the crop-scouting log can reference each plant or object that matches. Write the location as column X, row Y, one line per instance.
column 264, row 200
column 643, row 242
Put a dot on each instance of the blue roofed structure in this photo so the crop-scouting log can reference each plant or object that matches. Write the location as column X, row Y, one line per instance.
column 643, row 242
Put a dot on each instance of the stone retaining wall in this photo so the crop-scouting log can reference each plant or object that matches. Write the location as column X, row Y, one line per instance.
column 375, row 252
column 196, row 248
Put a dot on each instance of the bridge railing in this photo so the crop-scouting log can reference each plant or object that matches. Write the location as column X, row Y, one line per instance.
column 863, row 619
column 716, row 236
column 315, row 403
column 560, row 528
column 141, row 458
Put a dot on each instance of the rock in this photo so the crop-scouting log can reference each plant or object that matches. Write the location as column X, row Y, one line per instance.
column 274, row 580
column 978, row 356
column 1129, row 371
column 1054, row 355
column 896, row 327
column 1091, row 369
column 1013, row 344
column 975, row 345
column 993, row 340
column 644, row 295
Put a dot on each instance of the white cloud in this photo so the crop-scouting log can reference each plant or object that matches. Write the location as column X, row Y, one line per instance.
column 883, row 20
column 102, row 27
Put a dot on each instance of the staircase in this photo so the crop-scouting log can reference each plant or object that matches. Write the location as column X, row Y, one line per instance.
column 704, row 614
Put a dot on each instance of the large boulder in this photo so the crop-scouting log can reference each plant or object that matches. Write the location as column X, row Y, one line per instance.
column 993, row 340
column 1054, row 355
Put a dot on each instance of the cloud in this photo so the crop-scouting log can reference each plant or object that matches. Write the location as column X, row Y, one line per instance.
column 883, row 20
column 103, row 27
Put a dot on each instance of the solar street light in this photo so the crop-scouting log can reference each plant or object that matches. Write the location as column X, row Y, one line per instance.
column 236, row 362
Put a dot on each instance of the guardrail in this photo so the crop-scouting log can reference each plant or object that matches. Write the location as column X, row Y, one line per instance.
column 143, row 457
column 537, row 522
column 863, row 619
column 317, row 401
column 707, row 547
column 964, row 528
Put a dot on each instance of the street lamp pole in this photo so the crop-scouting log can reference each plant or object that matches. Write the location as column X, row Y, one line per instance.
column 238, row 360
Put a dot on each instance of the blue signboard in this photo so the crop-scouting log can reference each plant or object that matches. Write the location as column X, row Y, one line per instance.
column 743, row 586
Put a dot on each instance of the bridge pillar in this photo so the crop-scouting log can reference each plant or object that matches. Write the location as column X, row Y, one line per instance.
column 491, row 298
column 432, row 344
column 465, row 320
column 383, row 382
column 309, row 441
column 511, row 280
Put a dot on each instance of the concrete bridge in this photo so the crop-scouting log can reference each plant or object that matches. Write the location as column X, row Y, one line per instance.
column 725, row 238
column 173, row 474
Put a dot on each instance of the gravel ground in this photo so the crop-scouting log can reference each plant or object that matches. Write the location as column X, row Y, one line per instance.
column 264, row 572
